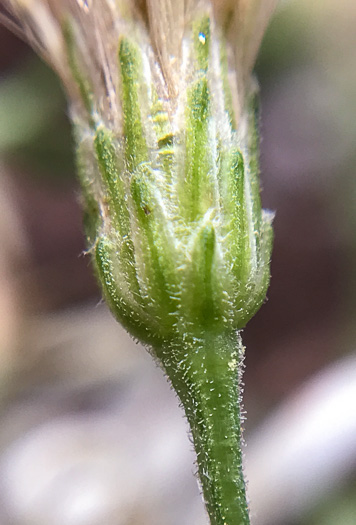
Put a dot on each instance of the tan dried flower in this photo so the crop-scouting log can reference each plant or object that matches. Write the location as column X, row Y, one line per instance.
column 160, row 25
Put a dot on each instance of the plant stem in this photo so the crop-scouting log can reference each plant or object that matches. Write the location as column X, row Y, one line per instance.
column 205, row 373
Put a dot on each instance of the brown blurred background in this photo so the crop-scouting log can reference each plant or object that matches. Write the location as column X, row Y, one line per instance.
column 90, row 433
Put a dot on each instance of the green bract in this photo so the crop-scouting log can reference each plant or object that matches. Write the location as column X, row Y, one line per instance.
column 180, row 241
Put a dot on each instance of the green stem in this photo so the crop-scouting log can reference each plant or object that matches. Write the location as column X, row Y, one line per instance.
column 205, row 373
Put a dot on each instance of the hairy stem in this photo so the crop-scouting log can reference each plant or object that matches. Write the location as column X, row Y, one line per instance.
column 207, row 383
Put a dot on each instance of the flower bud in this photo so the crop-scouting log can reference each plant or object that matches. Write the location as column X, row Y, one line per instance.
column 179, row 238
column 167, row 140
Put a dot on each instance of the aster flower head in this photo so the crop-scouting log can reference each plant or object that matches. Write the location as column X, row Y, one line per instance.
column 163, row 105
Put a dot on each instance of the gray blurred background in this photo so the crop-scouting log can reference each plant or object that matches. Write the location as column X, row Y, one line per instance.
column 90, row 432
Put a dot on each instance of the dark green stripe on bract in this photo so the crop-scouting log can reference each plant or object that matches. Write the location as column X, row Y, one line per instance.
column 131, row 79
column 239, row 248
column 155, row 246
column 107, row 156
column 202, row 286
column 128, row 312
column 197, row 192
column 252, row 298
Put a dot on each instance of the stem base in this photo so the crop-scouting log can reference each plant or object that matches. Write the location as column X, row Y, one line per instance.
column 206, row 373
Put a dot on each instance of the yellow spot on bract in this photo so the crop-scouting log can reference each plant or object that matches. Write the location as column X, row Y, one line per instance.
column 232, row 364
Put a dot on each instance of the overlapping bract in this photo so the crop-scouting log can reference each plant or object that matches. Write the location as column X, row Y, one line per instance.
column 180, row 240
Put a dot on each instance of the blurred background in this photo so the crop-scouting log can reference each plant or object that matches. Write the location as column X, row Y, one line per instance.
column 90, row 432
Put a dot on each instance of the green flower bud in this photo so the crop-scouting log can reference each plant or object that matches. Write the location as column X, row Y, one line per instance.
column 180, row 241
